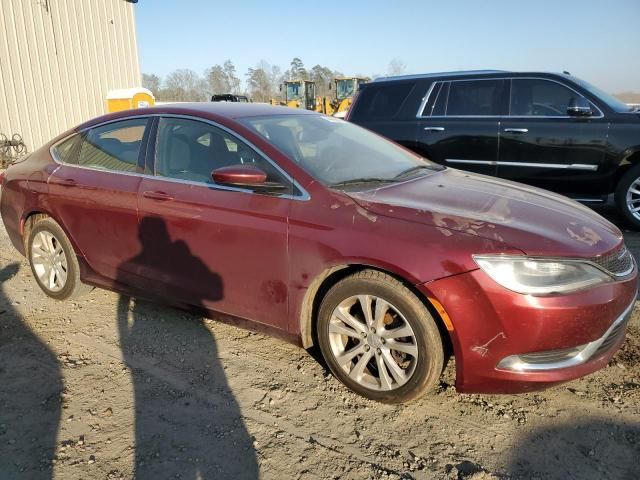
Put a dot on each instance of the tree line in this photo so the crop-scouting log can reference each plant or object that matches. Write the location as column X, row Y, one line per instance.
column 261, row 82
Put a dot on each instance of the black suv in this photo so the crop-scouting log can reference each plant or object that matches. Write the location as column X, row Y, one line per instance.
column 549, row 130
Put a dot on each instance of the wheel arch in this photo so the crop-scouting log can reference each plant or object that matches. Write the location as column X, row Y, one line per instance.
column 32, row 217
column 328, row 278
column 629, row 159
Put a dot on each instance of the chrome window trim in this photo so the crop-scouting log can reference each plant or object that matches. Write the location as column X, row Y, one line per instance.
column 559, row 166
column 426, row 99
column 303, row 196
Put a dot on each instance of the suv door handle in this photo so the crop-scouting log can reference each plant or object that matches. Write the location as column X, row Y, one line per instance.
column 156, row 195
column 68, row 182
column 516, row 130
column 434, row 129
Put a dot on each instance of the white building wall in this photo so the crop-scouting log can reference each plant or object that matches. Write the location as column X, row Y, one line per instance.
column 58, row 60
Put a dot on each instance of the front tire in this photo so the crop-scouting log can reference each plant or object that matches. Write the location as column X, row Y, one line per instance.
column 379, row 339
column 53, row 261
column 627, row 197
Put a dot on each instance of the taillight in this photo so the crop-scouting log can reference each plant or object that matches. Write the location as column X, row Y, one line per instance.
column 1, row 178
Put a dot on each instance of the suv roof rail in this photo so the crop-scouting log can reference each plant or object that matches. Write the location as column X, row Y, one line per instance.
column 437, row 74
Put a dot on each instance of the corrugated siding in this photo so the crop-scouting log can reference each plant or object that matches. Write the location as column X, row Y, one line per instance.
column 58, row 60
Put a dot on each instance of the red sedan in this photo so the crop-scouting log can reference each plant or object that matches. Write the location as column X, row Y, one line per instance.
column 321, row 232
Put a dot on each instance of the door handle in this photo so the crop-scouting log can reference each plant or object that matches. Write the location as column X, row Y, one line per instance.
column 434, row 129
column 68, row 182
column 155, row 195
column 516, row 130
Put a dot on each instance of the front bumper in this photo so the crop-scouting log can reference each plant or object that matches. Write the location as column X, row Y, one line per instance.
column 506, row 342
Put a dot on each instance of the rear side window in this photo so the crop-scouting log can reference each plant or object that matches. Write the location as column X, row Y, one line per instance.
column 475, row 97
column 64, row 150
column 114, row 146
column 381, row 102
column 540, row 98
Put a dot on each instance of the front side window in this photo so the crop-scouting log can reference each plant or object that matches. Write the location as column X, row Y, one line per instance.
column 114, row 146
column 337, row 152
column 475, row 98
column 191, row 150
column 540, row 98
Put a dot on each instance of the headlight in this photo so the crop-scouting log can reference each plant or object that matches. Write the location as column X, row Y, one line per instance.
column 540, row 276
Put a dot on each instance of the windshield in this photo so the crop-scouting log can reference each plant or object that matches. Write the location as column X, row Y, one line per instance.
column 293, row 91
column 337, row 152
column 344, row 89
column 610, row 100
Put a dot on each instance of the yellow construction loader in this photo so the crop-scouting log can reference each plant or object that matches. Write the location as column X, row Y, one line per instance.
column 299, row 94
column 345, row 88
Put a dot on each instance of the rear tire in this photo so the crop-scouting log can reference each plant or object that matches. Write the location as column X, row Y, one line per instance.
column 53, row 261
column 627, row 199
column 379, row 339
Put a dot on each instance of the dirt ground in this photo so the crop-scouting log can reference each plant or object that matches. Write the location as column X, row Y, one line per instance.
column 109, row 388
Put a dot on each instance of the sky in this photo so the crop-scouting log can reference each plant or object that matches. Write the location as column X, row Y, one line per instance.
column 598, row 41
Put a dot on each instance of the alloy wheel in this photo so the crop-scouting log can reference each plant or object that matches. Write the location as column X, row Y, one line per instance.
column 373, row 342
column 49, row 261
column 633, row 198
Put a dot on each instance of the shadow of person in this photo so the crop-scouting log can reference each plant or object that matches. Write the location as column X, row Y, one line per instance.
column 30, row 395
column 585, row 450
column 187, row 421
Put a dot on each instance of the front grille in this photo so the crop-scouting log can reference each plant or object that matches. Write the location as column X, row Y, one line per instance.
column 618, row 263
column 613, row 337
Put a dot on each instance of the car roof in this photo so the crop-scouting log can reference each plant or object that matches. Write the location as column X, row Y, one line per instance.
column 212, row 110
column 229, row 110
column 466, row 73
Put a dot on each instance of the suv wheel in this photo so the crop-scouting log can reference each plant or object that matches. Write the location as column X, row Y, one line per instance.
column 53, row 261
column 627, row 197
column 379, row 339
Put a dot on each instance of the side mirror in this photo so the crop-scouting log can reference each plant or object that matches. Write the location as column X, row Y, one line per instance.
column 239, row 175
column 579, row 107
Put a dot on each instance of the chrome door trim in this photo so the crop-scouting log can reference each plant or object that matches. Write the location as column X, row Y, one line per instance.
column 559, row 166
column 471, row 162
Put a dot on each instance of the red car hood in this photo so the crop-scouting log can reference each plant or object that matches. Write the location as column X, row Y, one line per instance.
column 530, row 219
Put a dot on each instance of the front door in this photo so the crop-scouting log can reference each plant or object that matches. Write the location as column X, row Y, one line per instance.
column 460, row 123
column 541, row 145
column 208, row 245
column 93, row 193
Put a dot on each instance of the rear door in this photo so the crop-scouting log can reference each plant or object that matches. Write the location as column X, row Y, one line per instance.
column 213, row 246
column 459, row 123
column 93, row 192
column 542, row 145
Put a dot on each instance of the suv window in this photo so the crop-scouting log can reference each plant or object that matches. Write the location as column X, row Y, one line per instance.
column 475, row 97
column 191, row 150
column 539, row 98
column 381, row 102
column 114, row 146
